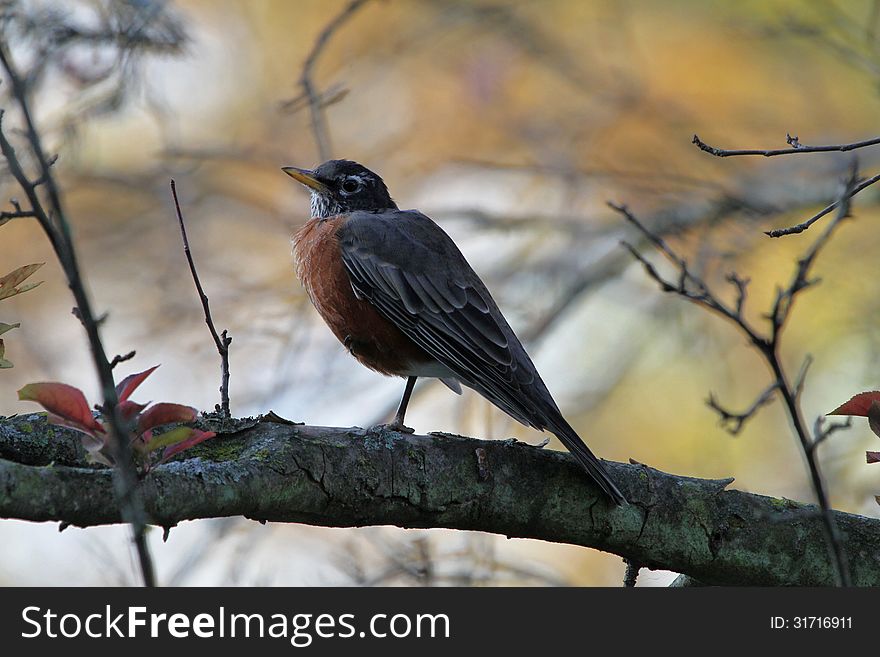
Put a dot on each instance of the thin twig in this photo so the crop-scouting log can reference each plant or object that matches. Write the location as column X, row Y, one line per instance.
column 741, row 285
column 801, row 227
column 316, row 101
column 821, row 433
column 223, row 340
column 331, row 96
column 732, row 422
column 802, row 376
column 16, row 214
column 694, row 289
column 795, row 146
column 690, row 286
column 54, row 223
column 800, row 280
column 121, row 359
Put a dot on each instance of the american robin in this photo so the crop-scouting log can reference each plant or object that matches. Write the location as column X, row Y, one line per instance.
column 397, row 292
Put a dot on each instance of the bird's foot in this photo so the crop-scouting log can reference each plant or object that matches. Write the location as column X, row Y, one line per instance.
column 396, row 425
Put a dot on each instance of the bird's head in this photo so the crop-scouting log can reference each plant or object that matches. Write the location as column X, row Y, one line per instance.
column 342, row 186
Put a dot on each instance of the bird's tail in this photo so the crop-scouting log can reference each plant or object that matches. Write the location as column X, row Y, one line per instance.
column 587, row 459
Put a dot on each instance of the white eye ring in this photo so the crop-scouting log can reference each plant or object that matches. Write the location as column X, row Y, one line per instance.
column 351, row 185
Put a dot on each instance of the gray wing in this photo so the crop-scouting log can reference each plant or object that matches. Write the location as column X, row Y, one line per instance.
column 410, row 270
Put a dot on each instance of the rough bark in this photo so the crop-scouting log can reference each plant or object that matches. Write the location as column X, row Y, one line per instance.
column 351, row 477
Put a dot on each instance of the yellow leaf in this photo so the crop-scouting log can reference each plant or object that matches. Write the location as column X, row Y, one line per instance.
column 9, row 283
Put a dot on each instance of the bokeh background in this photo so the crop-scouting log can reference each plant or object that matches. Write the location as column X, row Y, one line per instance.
column 511, row 124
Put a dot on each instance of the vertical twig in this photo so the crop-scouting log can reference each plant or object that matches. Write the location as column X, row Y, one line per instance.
column 306, row 81
column 54, row 223
column 223, row 340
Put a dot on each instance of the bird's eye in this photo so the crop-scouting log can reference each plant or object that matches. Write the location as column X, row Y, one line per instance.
column 351, row 185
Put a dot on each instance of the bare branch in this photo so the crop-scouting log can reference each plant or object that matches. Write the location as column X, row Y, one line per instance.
column 732, row 422
column 223, row 340
column 57, row 229
column 316, row 101
column 741, row 285
column 121, row 359
column 689, row 286
column 801, row 227
column 16, row 214
column 767, row 346
column 800, row 280
column 795, row 146
column 331, row 96
column 802, row 376
column 821, row 433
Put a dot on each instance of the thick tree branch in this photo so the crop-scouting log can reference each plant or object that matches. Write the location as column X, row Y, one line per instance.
column 351, row 477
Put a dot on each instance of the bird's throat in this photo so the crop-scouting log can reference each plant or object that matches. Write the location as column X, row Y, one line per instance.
column 324, row 206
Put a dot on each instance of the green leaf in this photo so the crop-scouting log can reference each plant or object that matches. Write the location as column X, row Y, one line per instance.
column 197, row 436
column 169, row 438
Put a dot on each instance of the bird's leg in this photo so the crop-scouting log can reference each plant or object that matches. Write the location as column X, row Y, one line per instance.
column 397, row 423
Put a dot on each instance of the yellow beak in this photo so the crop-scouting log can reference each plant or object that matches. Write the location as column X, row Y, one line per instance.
column 305, row 177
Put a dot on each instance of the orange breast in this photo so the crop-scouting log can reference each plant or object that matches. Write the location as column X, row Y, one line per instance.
column 370, row 338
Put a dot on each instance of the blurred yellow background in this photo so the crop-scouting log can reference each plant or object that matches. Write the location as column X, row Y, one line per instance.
column 511, row 124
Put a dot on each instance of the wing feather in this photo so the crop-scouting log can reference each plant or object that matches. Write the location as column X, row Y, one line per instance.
column 414, row 275
column 444, row 309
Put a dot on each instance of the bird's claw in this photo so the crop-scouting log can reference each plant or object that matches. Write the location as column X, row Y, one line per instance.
column 396, row 426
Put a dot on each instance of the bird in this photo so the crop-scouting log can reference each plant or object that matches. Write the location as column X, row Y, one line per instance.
column 399, row 295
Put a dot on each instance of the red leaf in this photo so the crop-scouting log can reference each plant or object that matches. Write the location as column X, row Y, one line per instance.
column 872, row 457
column 165, row 413
column 129, row 409
column 91, row 440
column 858, row 405
column 131, row 382
column 93, row 443
column 65, row 401
column 874, row 417
column 195, row 438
